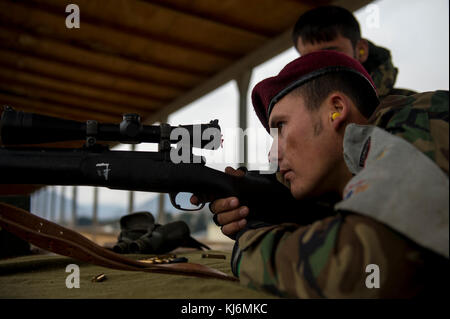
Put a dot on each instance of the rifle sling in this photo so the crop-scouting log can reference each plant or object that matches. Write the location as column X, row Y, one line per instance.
column 55, row 238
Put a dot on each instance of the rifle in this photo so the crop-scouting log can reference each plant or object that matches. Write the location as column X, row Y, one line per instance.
column 96, row 165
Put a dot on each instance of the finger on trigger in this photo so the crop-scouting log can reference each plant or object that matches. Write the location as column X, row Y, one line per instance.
column 194, row 200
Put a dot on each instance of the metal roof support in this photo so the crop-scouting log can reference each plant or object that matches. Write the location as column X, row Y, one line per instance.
column 130, row 202
column 52, row 203
column 131, row 193
column 74, row 206
column 95, row 214
column 38, row 202
column 95, row 208
column 243, row 82
column 33, row 202
column 62, row 206
column 161, row 219
column 36, row 199
column 44, row 202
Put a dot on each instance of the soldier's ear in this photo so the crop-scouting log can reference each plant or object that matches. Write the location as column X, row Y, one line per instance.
column 338, row 110
column 362, row 50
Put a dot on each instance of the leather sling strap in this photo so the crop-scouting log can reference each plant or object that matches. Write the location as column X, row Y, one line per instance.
column 63, row 241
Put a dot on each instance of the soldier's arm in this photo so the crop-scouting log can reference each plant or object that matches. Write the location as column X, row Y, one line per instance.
column 346, row 256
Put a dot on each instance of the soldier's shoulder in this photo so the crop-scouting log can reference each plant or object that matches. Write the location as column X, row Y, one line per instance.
column 421, row 119
column 401, row 91
column 435, row 103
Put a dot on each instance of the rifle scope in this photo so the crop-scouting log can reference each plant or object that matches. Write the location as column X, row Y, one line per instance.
column 17, row 127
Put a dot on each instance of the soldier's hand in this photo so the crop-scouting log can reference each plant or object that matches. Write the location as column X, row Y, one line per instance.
column 229, row 215
column 227, row 212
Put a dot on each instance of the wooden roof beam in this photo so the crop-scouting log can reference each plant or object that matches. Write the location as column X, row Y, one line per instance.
column 159, row 23
column 72, row 101
column 58, row 110
column 129, row 101
column 264, row 17
column 85, row 76
column 105, row 39
column 18, row 40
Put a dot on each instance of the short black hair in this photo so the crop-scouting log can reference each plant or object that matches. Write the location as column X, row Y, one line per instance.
column 359, row 90
column 326, row 23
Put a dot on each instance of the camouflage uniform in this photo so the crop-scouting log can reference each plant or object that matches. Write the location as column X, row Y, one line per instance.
column 383, row 72
column 328, row 258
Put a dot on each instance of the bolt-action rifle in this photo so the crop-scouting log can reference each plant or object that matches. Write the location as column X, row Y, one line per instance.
column 95, row 164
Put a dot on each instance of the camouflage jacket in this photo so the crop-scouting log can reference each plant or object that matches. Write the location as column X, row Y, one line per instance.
column 383, row 72
column 332, row 257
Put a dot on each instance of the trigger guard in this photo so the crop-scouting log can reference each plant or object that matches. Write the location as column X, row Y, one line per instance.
column 173, row 197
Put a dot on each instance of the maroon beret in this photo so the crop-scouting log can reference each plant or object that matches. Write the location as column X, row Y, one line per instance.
column 296, row 73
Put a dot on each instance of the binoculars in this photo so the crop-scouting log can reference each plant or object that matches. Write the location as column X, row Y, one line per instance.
column 141, row 235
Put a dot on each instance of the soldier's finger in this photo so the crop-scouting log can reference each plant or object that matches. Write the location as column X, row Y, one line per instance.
column 224, row 204
column 231, row 229
column 235, row 172
column 194, row 200
column 197, row 199
column 232, row 215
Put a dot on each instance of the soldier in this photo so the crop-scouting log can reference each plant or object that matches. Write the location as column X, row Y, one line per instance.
column 335, row 28
column 388, row 236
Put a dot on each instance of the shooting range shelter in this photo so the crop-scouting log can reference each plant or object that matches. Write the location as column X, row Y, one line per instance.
column 150, row 57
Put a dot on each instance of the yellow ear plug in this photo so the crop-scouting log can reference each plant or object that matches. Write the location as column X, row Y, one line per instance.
column 361, row 51
column 335, row 115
